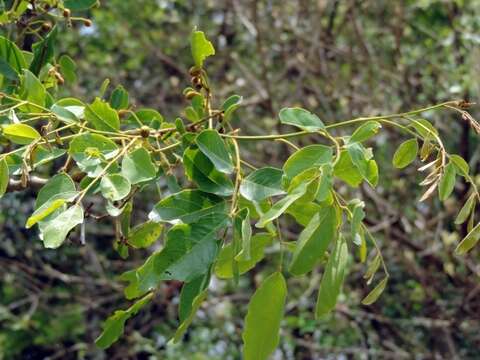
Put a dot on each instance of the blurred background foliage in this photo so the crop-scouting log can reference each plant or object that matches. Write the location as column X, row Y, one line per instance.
column 337, row 58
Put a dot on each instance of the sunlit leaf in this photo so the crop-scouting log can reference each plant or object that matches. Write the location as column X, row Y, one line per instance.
column 201, row 47
column 22, row 134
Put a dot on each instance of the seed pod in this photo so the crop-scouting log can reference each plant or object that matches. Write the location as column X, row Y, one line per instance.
column 59, row 78
column 197, row 82
column 145, row 131
column 66, row 13
column 87, row 22
column 46, row 26
column 194, row 71
column 123, row 112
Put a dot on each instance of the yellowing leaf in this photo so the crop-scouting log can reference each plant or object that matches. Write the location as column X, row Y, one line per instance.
column 21, row 134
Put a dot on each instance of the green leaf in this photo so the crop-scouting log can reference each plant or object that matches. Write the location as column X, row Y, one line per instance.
column 242, row 226
column 138, row 166
column 213, row 147
column 447, row 181
column 102, row 116
column 189, row 292
column 91, row 151
column 119, row 98
column 365, row 131
column 197, row 301
column 280, row 206
column 54, row 188
column 144, row 235
column 261, row 184
column 230, row 106
column 307, row 157
column 189, row 251
column 358, row 214
column 345, row 170
column 115, row 187
column 43, row 52
column 332, row 279
column 20, row 133
column 7, row 71
column 56, row 230
column 201, row 47
column 63, row 114
column 424, row 128
column 326, row 182
column 224, row 264
column 262, row 323
column 149, row 117
column 405, row 154
column 376, row 292
column 301, row 118
column 469, row 241
column 201, row 170
column 187, row 206
column 67, row 68
column 460, row 164
column 314, row 241
column 303, row 212
column 466, row 209
column 12, row 55
column 32, row 90
column 113, row 326
column 73, row 105
column 4, row 176
column 361, row 159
